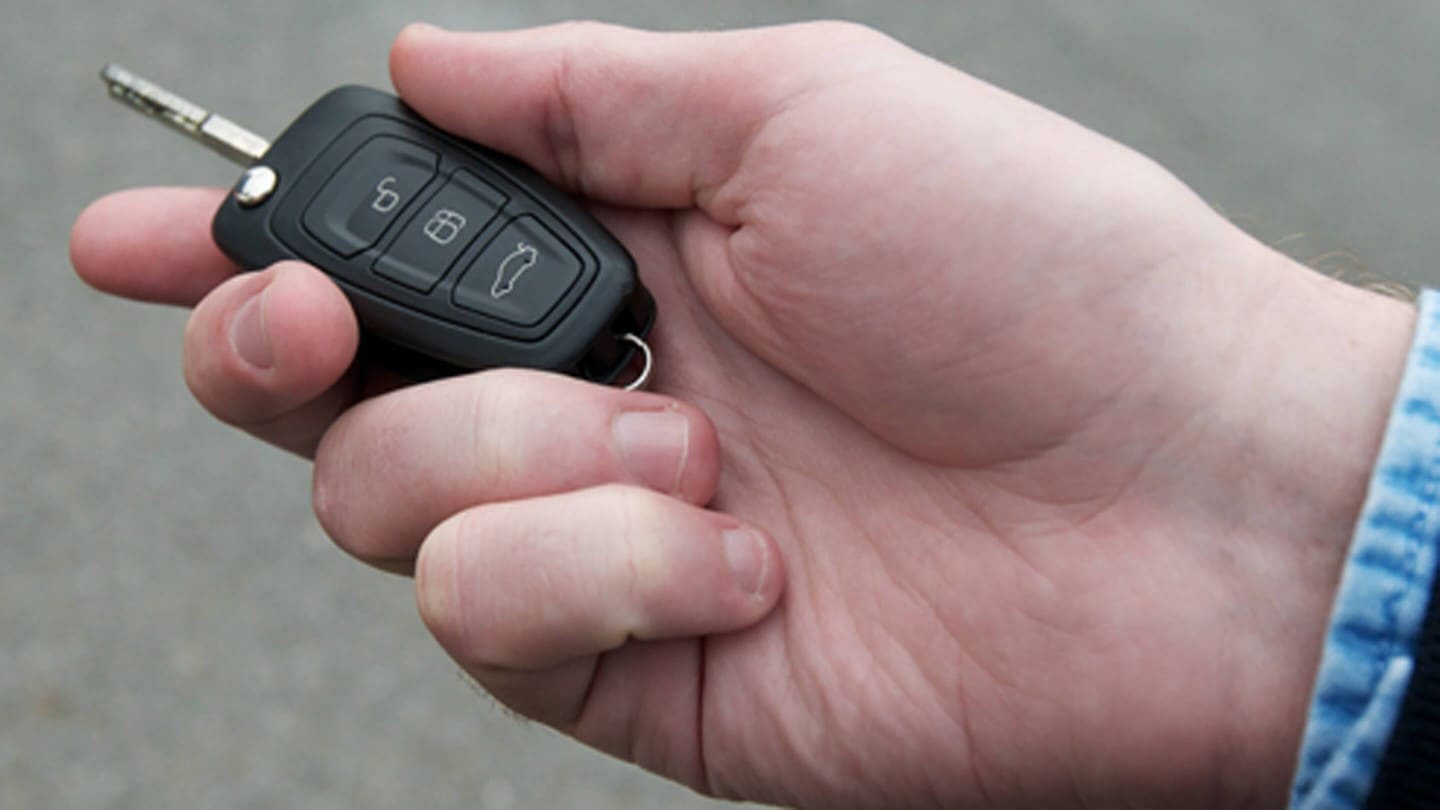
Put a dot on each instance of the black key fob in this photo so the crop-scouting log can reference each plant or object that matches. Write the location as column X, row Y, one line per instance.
column 454, row 257
column 446, row 250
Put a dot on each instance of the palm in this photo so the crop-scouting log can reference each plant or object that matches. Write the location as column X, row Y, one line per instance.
column 992, row 595
column 888, row 409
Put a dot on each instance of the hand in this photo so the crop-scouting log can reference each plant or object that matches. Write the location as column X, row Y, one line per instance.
column 1054, row 466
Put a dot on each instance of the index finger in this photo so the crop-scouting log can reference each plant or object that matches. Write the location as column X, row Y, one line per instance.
column 627, row 117
column 151, row 244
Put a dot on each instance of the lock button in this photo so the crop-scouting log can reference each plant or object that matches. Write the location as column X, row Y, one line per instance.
column 369, row 192
column 438, row 233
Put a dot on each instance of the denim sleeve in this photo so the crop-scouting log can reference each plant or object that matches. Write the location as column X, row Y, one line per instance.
column 1383, row 594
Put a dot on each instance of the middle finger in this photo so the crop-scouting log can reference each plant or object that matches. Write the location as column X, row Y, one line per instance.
column 394, row 467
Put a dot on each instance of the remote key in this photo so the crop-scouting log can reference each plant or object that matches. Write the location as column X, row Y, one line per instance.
column 454, row 257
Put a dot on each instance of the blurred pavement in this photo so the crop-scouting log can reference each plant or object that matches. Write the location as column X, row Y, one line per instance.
column 175, row 631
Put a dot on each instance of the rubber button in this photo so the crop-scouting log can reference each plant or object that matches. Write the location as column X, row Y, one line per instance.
column 369, row 192
column 439, row 232
column 520, row 276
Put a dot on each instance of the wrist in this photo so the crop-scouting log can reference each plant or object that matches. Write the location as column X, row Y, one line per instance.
column 1309, row 401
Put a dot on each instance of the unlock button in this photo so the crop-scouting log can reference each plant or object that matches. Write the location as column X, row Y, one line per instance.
column 369, row 192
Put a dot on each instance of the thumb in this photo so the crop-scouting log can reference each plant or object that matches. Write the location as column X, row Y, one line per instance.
column 621, row 116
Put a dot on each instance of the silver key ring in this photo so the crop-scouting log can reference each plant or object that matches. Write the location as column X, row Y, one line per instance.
column 640, row 381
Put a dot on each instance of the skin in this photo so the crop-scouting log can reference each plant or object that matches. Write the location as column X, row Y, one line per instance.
column 1036, row 474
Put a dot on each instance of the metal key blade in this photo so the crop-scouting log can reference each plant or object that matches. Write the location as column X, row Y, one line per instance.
column 216, row 132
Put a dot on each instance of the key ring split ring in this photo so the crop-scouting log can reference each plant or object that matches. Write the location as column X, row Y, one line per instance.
column 649, row 358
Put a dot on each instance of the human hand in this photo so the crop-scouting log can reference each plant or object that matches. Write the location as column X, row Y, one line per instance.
column 1055, row 467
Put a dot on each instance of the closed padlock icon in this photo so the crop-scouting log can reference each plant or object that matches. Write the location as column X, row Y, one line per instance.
column 444, row 226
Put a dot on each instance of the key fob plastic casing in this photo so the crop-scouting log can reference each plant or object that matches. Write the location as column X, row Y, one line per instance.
column 454, row 257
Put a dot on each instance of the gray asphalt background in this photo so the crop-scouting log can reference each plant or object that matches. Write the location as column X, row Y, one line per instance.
column 175, row 631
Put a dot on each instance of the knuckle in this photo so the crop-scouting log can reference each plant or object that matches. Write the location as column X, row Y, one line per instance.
column 582, row 31
column 827, row 44
column 843, row 31
column 469, row 598
column 637, row 514
column 364, row 445
column 337, row 482
column 494, row 429
column 562, row 135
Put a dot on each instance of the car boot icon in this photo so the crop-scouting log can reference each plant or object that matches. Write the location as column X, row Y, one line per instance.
column 522, row 259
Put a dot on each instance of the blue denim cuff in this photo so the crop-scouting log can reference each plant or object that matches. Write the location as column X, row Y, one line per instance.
column 1383, row 593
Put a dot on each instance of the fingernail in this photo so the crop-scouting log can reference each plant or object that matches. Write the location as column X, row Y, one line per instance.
column 247, row 333
column 745, row 552
column 654, row 446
